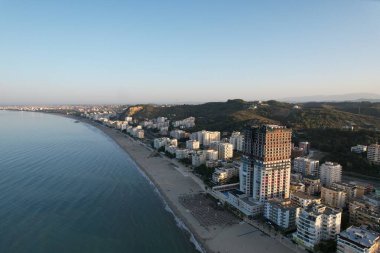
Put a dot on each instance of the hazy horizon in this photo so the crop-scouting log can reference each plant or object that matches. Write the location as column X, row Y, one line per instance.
column 114, row 52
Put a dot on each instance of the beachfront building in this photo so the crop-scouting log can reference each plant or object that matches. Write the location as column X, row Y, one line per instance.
column 164, row 141
column 373, row 153
column 303, row 200
column 192, row 144
column 281, row 212
column 225, row 151
column 306, row 166
column 237, row 140
column 198, row 158
column 333, row 196
column 315, row 223
column 182, row 153
column 139, row 134
column 358, row 240
column 330, row 173
column 359, row 149
column 365, row 211
column 224, row 174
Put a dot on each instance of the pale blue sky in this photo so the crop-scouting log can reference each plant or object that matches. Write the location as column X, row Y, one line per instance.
column 186, row 51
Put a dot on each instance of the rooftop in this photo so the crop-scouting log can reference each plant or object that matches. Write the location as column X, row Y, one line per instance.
column 360, row 235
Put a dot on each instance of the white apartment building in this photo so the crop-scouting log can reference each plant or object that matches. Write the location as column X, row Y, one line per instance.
column 192, row 144
column 306, row 166
column 359, row 149
column 205, row 137
column 330, row 173
column 198, row 158
column 358, row 240
column 211, row 155
column 237, row 140
column 373, row 153
column 139, row 134
column 161, row 142
column 178, row 134
column 316, row 223
column 303, row 200
column 185, row 123
column 281, row 212
column 226, row 151
column 182, row 153
column 221, row 175
column 333, row 197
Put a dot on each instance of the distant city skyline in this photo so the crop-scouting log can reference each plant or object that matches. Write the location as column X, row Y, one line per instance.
column 82, row 52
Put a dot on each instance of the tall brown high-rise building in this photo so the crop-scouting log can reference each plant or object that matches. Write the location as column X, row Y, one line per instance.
column 265, row 171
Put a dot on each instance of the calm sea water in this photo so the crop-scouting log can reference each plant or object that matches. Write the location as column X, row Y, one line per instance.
column 67, row 187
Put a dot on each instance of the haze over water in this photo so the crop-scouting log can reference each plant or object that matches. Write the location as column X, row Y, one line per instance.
column 67, row 187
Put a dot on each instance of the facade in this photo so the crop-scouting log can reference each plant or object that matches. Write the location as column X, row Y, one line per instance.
column 205, row 137
column 333, row 197
column 178, row 134
column 373, row 153
column 303, row 200
column 306, row 166
column 365, row 211
column 315, row 223
column 358, row 240
column 225, row 151
column 296, row 187
column 330, row 173
column 282, row 213
column 182, row 153
column 352, row 191
column 192, row 144
column 212, row 155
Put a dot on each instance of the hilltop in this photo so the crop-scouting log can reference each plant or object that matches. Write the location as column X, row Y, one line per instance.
column 234, row 114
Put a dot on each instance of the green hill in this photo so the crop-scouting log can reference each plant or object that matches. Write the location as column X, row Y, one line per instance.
column 234, row 114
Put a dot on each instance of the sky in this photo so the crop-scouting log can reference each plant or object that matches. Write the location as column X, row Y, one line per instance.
column 159, row 51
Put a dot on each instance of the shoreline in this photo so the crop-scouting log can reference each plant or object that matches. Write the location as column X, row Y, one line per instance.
column 171, row 181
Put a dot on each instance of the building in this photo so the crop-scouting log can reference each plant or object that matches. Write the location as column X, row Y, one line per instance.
column 192, row 144
column 205, row 137
column 296, row 187
column 333, row 196
column 306, row 166
column 225, row 150
column 330, row 173
column 222, row 175
column 182, row 153
column 211, row 155
column 178, row 134
column 305, row 145
column 185, row 123
column 312, row 185
column 237, row 140
column 198, row 158
column 373, row 153
column 315, row 223
column 281, row 212
column 140, row 134
column 365, row 211
column 352, row 191
column 303, row 200
column 164, row 141
column 358, row 240
column 359, row 149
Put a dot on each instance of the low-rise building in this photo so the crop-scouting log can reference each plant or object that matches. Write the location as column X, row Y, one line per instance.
column 225, row 151
column 297, row 187
column 222, row 175
column 315, row 223
column 303, row 200
column 192, row 144
column 333, row 197
column 365, row 211
column 352, row 190
column 358, row 240
column 281, row 212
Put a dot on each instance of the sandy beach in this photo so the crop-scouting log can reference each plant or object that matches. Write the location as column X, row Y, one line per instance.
column 174, row 181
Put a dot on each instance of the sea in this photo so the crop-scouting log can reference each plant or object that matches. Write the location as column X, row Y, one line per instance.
column 66, row 187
